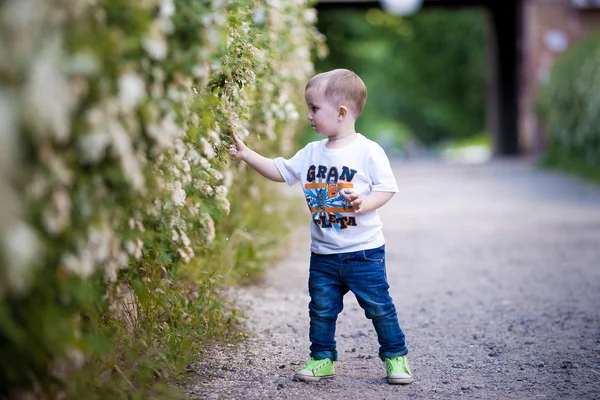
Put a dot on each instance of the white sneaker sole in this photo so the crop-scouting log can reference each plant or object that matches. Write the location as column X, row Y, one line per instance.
column 309, row 378
column 399, row 381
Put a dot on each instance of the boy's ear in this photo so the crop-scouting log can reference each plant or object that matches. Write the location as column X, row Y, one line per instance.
column 342, row 113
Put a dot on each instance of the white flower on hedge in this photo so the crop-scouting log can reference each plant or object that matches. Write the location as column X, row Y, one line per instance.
column 166, row 9
column 47, row 95
column 214, row 35
column 134, row 248
column 194, row 209
column 215, row 173
column 206, row 190
column 99, row 242
column 184, row 239
column 214, row 137
column 124, row 148
column 310, row 16
column 22, row 248
column 224, row 205
column 178, row 194
column 58, row 214
column 290, row 110
column 204, row 163
column 166, row 132
column 119, row 256
column 76, row 357
column 175, row 94
column 155, row 209
column 132, row 89
column 155, row 44
column 194, row 119
column 207, row 148
column 180, row 148
column 201, row 72
column 276, row 111
column 221, row 191
column 218, row 17
column 208, row 226
column 81, row 264
column 110, row 271
column 194, row 157
column 186, row 166
column 230, row 40
column 93, row 146
column 186, row 254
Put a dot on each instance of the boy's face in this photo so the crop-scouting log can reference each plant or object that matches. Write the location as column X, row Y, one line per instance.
column 322, row 113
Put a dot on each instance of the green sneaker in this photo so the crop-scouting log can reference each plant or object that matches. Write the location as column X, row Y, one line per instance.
column 315, row 370
column 398, row 371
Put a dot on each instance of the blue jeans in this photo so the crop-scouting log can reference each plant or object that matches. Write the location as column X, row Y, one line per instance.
column 363, row 273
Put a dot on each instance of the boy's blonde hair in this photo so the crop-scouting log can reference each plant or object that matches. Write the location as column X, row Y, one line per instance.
column 343, row 87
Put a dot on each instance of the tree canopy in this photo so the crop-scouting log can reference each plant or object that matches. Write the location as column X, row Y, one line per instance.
column 425, row 73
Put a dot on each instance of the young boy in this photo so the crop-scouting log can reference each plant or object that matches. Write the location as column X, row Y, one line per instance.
column 346, row 178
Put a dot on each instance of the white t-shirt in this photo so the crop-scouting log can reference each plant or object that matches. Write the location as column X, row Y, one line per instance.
column 362, row 166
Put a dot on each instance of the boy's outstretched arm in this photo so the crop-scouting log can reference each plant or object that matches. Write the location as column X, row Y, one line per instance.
column 263, row 165
column 368, row 203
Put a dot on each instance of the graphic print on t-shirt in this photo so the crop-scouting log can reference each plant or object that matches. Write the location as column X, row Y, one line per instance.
column 326, row 204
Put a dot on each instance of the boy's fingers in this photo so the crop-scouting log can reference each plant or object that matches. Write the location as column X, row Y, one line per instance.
column 351, row 197
column 232, row 150
column 237, row 140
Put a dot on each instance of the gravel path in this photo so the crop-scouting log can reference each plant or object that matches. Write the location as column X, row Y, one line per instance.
column 495, row 272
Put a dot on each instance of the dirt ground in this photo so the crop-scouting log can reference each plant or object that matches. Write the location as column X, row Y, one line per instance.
column 495, row 273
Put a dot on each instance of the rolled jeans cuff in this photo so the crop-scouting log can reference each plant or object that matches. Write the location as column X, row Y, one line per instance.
column 385, row 355
column 321, row 355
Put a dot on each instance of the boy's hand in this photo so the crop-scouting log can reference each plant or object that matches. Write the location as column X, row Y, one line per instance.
column 263, row 165
column 237, row 149
column 357, row 202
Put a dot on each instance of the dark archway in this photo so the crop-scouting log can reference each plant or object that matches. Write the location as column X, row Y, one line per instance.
column 504, row 61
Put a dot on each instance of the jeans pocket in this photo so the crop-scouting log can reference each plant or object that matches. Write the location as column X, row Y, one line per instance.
column 374, row 255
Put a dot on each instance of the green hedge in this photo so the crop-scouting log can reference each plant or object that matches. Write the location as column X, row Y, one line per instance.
column 121, row 215
column 568, row 109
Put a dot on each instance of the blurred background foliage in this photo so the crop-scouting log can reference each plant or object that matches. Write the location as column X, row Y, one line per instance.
column 568, row 107
column 424, row 73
